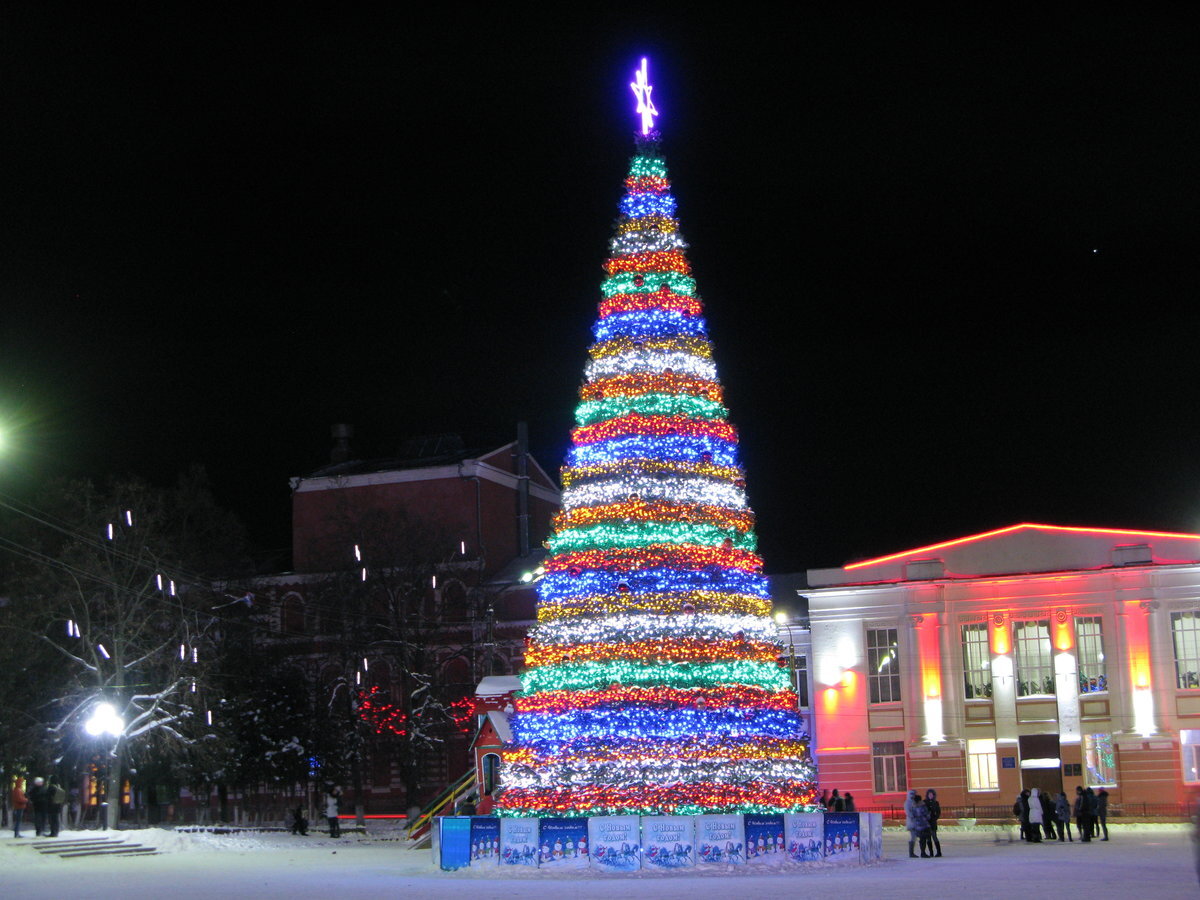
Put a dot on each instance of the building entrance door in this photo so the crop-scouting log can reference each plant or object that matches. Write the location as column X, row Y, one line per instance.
column 1041, row 766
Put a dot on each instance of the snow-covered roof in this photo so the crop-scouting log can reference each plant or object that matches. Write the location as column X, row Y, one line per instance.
column 497, row 685
column 499, row 721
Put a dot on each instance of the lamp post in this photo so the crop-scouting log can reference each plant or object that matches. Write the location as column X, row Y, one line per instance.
column 106, row 720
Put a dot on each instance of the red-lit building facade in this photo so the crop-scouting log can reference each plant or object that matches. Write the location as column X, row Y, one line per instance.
column 1030, row 656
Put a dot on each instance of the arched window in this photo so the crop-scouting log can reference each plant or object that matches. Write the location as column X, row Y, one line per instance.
column 291, row 615
column 491, row 773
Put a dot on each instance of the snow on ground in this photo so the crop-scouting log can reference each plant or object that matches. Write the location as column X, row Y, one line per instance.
column 1144, row 860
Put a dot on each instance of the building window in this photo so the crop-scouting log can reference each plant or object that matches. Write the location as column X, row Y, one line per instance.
column 883, row 665
column 1101, row 760
column 1189, row 743
column 981, row 765
column 888, row 757
column 1185, row 632
column 801, row 663
column 1089, row 649
column 1035, row 662
column 977, row 662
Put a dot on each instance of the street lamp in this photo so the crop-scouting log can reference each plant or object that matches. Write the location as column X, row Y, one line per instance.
column 105, row 720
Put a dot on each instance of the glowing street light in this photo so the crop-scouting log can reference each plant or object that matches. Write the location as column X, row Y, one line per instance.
column 104, row 720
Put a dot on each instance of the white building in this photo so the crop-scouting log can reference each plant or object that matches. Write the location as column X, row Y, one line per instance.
column 1030, row 656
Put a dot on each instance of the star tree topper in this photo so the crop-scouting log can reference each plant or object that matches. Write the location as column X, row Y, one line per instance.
column 645, row 106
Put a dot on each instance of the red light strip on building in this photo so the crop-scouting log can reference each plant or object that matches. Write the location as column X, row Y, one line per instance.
column 988, row 534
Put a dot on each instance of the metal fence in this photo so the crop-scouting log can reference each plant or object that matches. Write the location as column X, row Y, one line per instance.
column 1178, row 811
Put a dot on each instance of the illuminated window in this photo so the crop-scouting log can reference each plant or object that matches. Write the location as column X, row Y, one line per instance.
column 1035, row 662
column 1089, row 648
column 977, row 662
column 1185, row 632
column 883, row 665
column 888, row 758
column 802, row 680
column 981, row 765
column 1189, row 743
column 1101, row 760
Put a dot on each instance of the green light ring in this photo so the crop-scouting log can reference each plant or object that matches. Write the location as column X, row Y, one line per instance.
column 591, row 411
column 589, row 675
column 633, row 535
column 624, row 283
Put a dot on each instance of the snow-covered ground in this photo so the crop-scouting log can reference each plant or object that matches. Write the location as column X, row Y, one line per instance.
column 1144, row 861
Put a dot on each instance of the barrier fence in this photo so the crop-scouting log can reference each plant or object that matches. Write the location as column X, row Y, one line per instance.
column 1182, row 811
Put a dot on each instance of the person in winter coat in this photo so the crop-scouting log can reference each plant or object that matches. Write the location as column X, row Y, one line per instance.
column 1021, row 808
column 935, row 812
column 331, row 811
column 836, row 804
column 299, row 821
column 19, row 803
column 1082, row 817
column 39, row 799
column 1101, row 814
column 849, row 800
column 58, row 796
column 1062, row 816
column 1048, row 815
column 1035, row 816
column 916, row 820
column 1093, row 804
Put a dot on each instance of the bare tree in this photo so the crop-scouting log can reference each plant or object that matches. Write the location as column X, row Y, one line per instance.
column 107, row 585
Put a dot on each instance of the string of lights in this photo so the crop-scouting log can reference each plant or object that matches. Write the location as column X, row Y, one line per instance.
column 652, row 682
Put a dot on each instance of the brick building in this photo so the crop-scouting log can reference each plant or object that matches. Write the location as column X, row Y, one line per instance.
column 435, row 545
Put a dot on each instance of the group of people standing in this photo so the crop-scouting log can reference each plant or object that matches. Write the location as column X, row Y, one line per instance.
column 921, row 820
column 835, row 802
column 46, row 799
column 1039, row 813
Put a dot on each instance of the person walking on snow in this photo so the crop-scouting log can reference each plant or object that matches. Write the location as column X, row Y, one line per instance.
column 1035, row 816
column 1048, row 815
column 1062, row 815
column 916, row 820
column 19, row 803
column 935, row 812
column 39, row 799
column 1101, row 814
column 331, row 812
column 1082, row 819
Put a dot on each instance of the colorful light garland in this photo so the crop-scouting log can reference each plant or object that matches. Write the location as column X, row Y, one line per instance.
column 693, row 345
column 653, row 683
column 666, row 604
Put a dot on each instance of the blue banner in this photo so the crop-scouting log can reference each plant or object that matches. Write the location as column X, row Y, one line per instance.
column 805, row 836
column 764, row 839
column 614, row 843
column 564, row 843
column 519, row 842
column 720, row 839
column 668, row 842
column 485, row 840
column 842, row 837
column 454, row 842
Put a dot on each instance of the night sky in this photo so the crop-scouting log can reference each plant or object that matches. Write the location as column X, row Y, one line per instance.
column 949, row 267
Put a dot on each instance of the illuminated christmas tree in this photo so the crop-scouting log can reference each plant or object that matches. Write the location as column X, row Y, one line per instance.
column 652, row 682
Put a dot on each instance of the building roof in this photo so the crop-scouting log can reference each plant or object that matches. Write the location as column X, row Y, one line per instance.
column 499, row 722
column 498, row 685
column 1018, row 549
